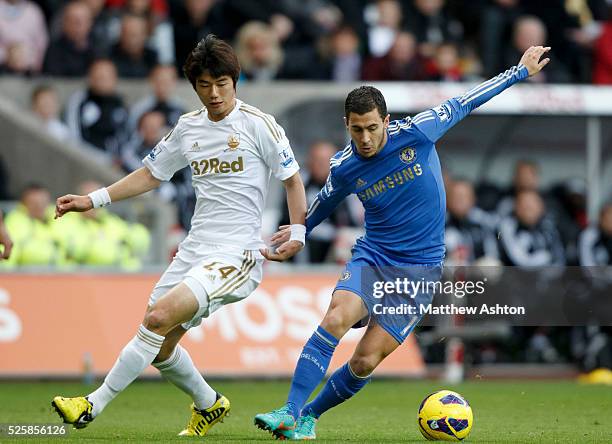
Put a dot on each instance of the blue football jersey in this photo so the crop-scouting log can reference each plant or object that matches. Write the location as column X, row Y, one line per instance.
column 401, row 186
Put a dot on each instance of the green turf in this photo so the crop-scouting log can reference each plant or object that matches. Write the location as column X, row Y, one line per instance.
column 516, row 412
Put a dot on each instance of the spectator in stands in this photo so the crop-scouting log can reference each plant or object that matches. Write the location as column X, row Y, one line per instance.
column 97, row 115
column 321, row 240
column 131, row 56
column 602, row 55
column 159, row 8
column 469, row 236
column 343, row 63
column 101, row 238
column 567, row 205
column 595, row 245
column 528, row 238
column 159, row 29
column 401, row 63
column 35, row 239
column 71, row 53
column 16, row 62
column 446, row 64
column 526, row 178
column 431, row 26
column 102, row 26
column 6, row 243
column 151, row 128
column 496, row 22
column 45, row 105
column 192, row 20
column 259, row 52
column 23, row 28
column 384, row 19
column 531, row 31
column 163, row 84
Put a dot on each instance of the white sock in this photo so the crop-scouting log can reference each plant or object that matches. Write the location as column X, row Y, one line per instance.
column 137, row 355
column 180, row 371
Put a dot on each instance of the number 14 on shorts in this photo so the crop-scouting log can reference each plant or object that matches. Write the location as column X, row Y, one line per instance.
column 224, row 270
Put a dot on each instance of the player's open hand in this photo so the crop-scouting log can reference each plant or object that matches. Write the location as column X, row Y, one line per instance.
column 72, row 202
column 286, row 251
column 281, row 236
column 531, row 59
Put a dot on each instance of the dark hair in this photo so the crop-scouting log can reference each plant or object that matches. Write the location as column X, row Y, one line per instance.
column 363, row 100
column 213, row 55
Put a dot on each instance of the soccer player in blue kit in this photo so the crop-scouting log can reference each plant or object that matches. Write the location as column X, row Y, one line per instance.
column 394, row 169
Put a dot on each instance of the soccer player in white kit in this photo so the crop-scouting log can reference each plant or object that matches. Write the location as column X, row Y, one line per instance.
column 232, row 148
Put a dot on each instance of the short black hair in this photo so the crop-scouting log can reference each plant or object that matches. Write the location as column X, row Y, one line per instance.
column 213, row 55
column 363, row 100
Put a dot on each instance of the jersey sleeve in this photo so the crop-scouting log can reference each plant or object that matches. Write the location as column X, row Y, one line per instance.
column 332, row 193
column 166, row 158
column 435, row 122
column 276, row 149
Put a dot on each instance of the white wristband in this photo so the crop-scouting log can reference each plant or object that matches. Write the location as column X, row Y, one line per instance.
column 298, row 233
column 100, row 198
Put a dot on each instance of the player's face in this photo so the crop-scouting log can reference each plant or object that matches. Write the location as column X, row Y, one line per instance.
column 217, row 94
column 368, row 131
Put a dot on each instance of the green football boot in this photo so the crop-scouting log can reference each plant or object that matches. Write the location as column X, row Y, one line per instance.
column 305, row 428
column 280, row 422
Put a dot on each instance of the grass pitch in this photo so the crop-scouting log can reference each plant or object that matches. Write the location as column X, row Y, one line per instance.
column 384, row 412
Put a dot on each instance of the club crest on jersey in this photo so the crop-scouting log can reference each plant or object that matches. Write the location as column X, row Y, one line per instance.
column 233, row 141
column 408, row 155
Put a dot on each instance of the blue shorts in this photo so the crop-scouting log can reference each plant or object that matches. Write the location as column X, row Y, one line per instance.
column 366, row 275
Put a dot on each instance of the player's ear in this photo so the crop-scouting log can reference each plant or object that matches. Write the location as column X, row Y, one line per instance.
column 386, row 120
column 345, row 122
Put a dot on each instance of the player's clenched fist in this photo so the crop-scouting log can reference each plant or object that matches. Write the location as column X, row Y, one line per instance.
column 531, row 59
column 72, row 202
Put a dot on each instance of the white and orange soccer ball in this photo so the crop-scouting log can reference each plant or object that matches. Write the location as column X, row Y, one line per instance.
column 445, row 416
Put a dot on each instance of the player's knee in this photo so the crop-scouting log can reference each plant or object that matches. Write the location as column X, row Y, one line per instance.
column 364, row 365
column 335, row 323
column 157, row 320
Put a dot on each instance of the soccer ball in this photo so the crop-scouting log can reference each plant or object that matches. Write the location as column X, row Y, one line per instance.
column 445, row 416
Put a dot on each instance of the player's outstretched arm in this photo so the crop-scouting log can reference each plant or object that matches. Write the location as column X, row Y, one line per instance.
column 435, row 122
column 134, row 184
column 290, row 245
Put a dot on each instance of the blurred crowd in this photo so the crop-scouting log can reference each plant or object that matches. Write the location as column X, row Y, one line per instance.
column 339, row 40
column 93, row 238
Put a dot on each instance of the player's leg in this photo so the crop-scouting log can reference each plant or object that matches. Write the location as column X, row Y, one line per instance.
column 176, row 366
column 344, row 383
column 345, row 310
column 176, row 306
column 227, row 276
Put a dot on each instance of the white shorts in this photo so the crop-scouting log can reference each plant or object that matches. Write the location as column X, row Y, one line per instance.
column 216, row 274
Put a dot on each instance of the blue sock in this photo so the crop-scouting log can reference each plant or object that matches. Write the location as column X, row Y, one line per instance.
column 310, row 368
column 340, row 386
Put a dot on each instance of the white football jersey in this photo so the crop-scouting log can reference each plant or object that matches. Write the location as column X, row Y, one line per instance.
column 231, row 161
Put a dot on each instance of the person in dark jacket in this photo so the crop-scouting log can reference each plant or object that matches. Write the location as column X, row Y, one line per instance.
column 97, row 115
